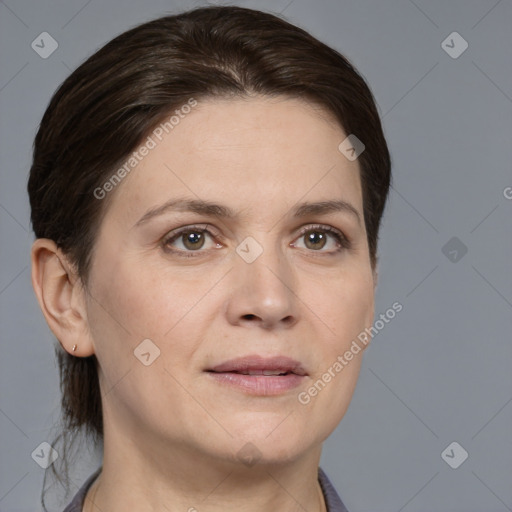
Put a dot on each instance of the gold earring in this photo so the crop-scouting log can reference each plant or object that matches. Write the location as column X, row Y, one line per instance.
column 74, row 347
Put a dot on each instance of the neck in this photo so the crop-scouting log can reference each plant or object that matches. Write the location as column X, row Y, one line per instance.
column 150, row 473
column 93, row 502
column 194, row 483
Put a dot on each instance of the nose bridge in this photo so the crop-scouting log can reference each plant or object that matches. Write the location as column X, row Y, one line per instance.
column 263, row 283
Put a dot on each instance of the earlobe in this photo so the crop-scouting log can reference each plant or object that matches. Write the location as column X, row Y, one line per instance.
column 60, row 295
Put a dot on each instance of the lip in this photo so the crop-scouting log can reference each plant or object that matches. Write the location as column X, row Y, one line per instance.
column 233, row 373
column 260, row 363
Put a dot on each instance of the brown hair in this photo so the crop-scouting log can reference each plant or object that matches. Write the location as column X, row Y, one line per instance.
column 106, row 107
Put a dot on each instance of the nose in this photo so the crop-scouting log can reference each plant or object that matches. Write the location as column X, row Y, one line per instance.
column 262, row 293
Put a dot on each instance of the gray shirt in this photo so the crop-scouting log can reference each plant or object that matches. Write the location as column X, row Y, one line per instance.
column 332, row 500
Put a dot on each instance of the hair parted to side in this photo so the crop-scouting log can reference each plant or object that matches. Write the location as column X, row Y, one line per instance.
column 111, row 102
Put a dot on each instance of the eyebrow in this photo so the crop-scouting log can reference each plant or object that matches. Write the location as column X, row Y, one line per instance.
column 211, row 209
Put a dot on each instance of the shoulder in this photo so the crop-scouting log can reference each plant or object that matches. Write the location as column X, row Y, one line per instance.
column 332, row 498
column 77, row 502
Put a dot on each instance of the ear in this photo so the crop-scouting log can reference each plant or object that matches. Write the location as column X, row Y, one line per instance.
column 375, row 276
column 61, row 297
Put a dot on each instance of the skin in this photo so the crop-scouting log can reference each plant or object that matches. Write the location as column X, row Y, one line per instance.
column 172, row 434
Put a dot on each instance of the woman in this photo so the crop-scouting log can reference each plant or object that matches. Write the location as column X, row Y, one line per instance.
column 206, row 196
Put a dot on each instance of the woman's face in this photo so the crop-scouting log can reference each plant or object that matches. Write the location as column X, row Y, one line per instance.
column 268, row 281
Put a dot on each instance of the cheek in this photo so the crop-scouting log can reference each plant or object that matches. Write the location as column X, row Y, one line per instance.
column 138, row 301
column 135, row 304
column 145, row 301
column 345, row 306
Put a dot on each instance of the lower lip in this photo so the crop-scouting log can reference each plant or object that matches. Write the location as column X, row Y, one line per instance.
column 264, row 385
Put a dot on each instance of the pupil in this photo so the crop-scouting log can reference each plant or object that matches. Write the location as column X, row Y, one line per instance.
column 316, row 238
column 192, row 239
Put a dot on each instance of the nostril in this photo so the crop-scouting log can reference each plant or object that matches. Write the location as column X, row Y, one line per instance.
column 249, row 316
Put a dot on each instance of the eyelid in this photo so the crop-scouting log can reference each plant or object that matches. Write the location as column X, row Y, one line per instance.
column 176, row 233
column 342, row 239
column 203, row 227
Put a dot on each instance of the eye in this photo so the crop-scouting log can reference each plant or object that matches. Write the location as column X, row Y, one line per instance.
column 189, row 239
column 317, row 237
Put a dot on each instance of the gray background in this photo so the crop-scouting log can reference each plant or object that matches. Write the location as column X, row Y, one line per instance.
column 441, row 370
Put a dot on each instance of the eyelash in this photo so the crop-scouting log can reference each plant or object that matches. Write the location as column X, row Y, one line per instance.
column 342, row 240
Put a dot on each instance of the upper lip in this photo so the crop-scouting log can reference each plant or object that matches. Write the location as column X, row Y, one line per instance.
column 255, row 363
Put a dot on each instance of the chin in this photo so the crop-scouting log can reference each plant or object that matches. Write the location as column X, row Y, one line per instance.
column 271, row 442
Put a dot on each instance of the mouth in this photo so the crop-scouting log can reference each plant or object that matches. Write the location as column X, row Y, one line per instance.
column 259, row 375
column 257, row 372
column 259, row 365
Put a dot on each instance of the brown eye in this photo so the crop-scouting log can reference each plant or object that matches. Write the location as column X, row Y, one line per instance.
column 190, row 241
column 315, row 240
column 322, row 239
column 193, row 240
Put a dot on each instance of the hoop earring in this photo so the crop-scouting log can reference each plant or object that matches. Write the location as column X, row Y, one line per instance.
column 74, row 347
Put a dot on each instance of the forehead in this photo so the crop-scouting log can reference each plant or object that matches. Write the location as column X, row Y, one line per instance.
column 258, row 154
